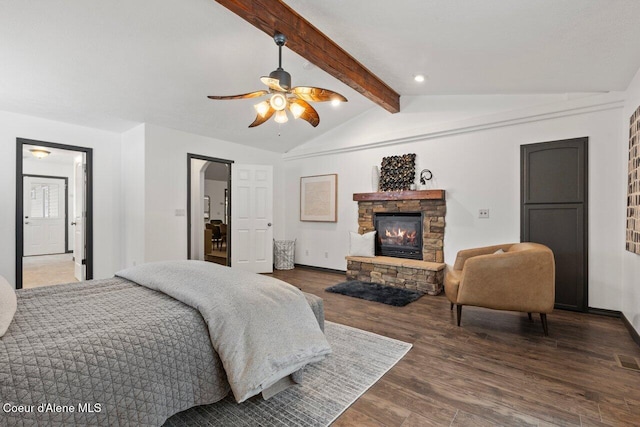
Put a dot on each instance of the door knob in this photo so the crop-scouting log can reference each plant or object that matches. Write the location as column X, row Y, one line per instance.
column 269, row 225
column 73, row 223
column 27, row 222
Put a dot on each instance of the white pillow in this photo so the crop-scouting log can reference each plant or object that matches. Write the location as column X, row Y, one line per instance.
column 362, row 244
column 499, row 251
column 8, row 305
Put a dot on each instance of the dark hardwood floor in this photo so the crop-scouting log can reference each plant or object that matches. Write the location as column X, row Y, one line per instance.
column 496, row 369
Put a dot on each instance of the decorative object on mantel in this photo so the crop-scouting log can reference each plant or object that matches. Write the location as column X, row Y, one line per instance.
column 283, row 97
column 397, row 172
column 319, row 198
column 425, row 176
column 633, row 185
column 375, row 179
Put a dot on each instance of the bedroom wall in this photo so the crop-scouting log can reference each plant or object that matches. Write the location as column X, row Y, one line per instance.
column 472, row 146
column 630, row 261
column 106, row 150
column 166, row 185
column 132, row 188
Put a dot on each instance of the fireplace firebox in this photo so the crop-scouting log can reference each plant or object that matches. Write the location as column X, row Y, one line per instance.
column 399, row 234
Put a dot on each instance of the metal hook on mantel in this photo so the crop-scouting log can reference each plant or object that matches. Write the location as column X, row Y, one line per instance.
column 425, row 175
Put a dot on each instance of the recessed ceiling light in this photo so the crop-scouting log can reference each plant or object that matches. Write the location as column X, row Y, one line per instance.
column 335, row 102
column 419, row 78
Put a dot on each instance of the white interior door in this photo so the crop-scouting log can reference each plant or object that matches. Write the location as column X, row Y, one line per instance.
column 44, row 215
column 251, row 217
column 79, row 214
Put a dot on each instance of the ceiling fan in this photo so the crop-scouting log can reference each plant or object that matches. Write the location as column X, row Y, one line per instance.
column 283, row 97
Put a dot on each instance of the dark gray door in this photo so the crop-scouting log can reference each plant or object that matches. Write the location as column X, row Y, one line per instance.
column 554, row 212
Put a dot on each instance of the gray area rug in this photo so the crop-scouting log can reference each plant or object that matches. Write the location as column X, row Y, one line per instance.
column 389, row 295
column 359, row 359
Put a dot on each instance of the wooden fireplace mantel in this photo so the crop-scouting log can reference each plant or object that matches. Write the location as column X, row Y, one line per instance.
column 399, row 195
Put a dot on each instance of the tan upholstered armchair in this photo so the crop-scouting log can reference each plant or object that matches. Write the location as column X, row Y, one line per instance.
column 520, row 279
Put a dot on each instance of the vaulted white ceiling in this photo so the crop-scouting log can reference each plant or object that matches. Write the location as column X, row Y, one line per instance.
column 114, row 64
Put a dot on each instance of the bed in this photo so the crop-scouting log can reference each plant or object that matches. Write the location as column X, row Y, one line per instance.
column 113, row 352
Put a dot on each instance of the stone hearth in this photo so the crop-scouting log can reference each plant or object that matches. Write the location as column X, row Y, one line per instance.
column 404, row 273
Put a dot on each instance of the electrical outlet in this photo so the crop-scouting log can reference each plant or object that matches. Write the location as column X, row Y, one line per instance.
column 326, row 254
column 483, row 213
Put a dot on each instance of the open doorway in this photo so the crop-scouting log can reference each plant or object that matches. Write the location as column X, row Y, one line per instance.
column 53, row 214
column 208, row 209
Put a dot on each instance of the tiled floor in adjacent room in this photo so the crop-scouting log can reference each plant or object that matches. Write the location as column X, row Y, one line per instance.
column 44, row 270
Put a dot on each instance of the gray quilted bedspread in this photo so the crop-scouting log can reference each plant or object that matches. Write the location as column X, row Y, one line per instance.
column 262, row 328
column 113, row 352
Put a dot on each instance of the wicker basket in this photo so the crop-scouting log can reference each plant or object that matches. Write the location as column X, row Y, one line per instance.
column 283, row 254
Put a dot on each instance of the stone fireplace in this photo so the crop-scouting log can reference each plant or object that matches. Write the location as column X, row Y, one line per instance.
column 402, row 213
column 429, row 203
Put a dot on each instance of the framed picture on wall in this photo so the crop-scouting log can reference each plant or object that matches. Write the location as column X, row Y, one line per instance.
column 319, row 198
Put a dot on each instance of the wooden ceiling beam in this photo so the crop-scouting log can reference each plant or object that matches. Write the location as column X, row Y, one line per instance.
column 274, row 16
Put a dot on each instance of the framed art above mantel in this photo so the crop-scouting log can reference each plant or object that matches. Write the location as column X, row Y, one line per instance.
column 319, row 198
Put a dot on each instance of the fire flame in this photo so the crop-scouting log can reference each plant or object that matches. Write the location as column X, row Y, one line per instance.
column 399, row 236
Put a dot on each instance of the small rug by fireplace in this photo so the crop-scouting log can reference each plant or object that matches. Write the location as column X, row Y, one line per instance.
column 375, row 292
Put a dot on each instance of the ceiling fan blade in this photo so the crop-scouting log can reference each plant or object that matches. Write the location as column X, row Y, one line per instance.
column 309, row 114
column 255, row 94
column 316, row 94
column 260, row 120
column 272, row 83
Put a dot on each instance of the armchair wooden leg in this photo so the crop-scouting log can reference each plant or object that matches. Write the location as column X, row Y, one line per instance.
column 545, row 327
column 451, row 306
column 530, row 318
column 459, row 310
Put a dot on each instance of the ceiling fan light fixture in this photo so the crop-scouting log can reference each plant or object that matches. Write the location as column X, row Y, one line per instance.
column 262, row 108
column 297, row 110
column 281, row 117
column 283, row 97
column 278, row 101
column 39, row 153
